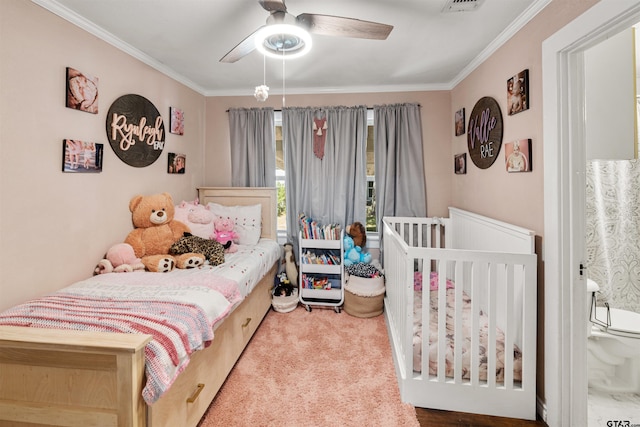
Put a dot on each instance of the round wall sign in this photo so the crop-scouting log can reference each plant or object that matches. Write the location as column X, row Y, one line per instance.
column 484, row 133
column 135, row 130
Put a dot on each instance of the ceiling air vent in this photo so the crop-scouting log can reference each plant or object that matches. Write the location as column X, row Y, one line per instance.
column 461, row 5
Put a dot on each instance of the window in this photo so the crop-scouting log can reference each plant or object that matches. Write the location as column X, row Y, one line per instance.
column 280, row 168
column 280, row 174
column 371, row 225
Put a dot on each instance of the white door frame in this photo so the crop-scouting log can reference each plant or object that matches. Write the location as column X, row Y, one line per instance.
column 565, row 295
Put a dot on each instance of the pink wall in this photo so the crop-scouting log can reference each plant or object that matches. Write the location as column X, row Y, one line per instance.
column 54, row 226
column 437, row 128
column 512, row 197
column 517, row 198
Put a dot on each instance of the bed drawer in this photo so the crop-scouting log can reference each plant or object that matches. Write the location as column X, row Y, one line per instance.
column 189, row 397
column 252, row 311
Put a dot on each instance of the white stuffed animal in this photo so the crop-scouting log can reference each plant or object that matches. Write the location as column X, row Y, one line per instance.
column 290, row 266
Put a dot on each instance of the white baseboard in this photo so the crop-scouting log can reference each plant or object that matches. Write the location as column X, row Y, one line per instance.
column 541, row 409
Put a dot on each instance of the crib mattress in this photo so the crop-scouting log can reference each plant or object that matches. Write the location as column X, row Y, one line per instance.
column 449, row 344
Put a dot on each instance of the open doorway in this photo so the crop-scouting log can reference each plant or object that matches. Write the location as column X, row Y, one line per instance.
column 564, row 246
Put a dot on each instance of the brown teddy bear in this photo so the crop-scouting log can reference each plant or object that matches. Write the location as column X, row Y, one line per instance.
column 155, row 231
column 358, row 233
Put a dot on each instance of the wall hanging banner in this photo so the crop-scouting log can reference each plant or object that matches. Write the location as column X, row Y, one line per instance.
column 135, row 130
column 484, row 133
column 319, row 133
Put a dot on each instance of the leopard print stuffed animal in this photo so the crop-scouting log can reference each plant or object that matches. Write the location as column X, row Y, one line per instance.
column 213, row 251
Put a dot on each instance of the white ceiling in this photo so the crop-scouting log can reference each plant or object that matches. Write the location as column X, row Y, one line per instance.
column 185, row 39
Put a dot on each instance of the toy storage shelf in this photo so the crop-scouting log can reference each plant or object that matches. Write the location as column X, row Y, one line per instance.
column 321, row 280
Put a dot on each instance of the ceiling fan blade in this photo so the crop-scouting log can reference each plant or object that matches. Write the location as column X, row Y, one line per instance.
column 328, row 25
column 273, row 5
column 242, row 49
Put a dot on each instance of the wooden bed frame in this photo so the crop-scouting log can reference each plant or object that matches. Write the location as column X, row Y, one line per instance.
column 77, row 378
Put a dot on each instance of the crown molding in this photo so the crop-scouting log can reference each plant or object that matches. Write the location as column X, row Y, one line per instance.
column 522, row 20
column 78, row 20
column 336, row 90
column 74, row 18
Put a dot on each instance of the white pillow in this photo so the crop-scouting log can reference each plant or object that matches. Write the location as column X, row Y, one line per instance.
column 247, row 219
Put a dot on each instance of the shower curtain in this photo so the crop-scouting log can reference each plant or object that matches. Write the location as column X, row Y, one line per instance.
column 613, row 231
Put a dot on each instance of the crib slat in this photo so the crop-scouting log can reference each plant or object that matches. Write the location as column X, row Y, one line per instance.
column 426, row 315
column 442, row 319
column 458, row 338
column 405, row 305
column 491, row 338
column 508, row 329
column 529, row 328
column 479, row 270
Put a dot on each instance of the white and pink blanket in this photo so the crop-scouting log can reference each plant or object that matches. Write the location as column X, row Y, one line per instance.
column 179, row 309
column 430, row 332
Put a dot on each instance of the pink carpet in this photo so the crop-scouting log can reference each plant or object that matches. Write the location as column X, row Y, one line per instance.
column 317, row 368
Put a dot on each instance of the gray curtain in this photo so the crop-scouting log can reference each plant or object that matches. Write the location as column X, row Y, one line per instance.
column 331, row 189
column 399, row 164
column 253, row 147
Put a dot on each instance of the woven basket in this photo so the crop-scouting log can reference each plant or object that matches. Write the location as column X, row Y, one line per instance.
column 285, row 304
column 364, row 297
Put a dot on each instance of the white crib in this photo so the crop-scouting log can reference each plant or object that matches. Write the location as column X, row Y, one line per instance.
column 492, row 263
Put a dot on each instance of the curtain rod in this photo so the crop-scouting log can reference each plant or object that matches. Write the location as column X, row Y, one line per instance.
column 280, row 110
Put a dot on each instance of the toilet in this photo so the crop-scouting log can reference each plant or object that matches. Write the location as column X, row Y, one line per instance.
column 613, row 347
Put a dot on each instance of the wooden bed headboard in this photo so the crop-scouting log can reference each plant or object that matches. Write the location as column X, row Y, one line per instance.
column 245, row 196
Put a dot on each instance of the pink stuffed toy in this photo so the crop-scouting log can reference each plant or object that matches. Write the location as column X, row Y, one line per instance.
column 225, row 234
column 197, row 217
column 120, row 258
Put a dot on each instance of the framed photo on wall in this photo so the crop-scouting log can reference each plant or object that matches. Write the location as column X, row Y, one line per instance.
column 82, row 91
column 459, row 122
column 177, row 163
column 460, row 164
column 177, row 121
column 81, row 156
column 517, row 156
column 518, row 93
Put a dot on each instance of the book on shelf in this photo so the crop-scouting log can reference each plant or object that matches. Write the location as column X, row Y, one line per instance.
column 310, row 281
column 311, row 229
column 319, row 256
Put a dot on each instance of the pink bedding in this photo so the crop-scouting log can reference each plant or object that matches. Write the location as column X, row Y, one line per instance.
column 179, row 309
column 449, row 344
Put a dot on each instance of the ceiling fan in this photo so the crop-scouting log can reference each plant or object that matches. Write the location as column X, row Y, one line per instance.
column 293, row 41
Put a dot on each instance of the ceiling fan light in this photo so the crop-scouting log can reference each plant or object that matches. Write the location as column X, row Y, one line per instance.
column 274, row 40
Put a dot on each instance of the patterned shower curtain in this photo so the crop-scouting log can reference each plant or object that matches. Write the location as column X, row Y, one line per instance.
column 613, row 231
